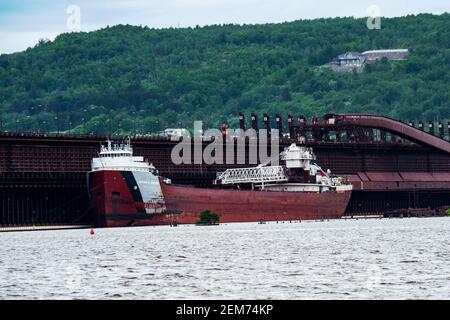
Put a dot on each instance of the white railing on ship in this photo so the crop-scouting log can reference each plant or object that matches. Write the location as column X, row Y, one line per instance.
column 252, row 175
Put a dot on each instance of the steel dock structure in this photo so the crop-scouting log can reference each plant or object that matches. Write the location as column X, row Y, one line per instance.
column 391, row 164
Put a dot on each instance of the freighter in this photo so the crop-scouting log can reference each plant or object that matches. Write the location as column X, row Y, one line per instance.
column 126, row 190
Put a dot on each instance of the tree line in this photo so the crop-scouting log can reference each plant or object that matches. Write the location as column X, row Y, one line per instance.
column 131, row 79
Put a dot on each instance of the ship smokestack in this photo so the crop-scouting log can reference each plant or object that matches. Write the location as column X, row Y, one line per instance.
column 431, row 128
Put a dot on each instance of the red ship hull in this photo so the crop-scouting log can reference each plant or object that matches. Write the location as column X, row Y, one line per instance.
column 114, row 203
column 253, row 206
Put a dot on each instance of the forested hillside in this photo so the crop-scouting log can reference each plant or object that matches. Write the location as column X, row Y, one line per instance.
column 135, row 79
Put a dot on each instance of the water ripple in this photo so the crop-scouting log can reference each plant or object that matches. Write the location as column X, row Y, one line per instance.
column 364, row 259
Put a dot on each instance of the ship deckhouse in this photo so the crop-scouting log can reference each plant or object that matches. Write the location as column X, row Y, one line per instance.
column 119, row 157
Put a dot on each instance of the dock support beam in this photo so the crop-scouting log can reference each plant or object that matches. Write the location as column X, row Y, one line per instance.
column 241, row 121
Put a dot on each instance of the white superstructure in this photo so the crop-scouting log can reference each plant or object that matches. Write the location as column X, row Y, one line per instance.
column 296, row 158
column 119, row 157
column 139, row 176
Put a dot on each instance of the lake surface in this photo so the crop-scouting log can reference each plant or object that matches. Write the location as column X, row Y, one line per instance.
column 353, row 259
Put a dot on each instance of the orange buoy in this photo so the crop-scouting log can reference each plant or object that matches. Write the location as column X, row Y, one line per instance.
column 92, row 231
